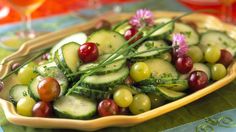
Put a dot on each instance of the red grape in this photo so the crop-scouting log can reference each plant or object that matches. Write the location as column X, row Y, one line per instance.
column 108, row 107
column 88, row 52
column 48, row 89
column 184, row 64
column 226, row 57
column 1, row 85
column 197, row 80
column 14, row 66
column 42, row 109
column 130, row 33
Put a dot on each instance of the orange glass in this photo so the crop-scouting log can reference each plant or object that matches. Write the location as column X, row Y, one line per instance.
column 25, row 8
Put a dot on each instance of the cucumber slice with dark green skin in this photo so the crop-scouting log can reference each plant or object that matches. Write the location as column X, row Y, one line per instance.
column 191, row 35
column 162, row 32
column 161, row 67
column 33, row 91
column 170, row 95
column 107, row 41
column 17, row 92
column 218, row 38
column 103, row 82
column 79, row 38
column 90, row 93
column 75, row 107
column 106, row 69
column 67, row 57
column 148, row 45
column 176, row 85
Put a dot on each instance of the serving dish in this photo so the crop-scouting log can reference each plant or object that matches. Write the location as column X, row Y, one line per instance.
column 201, row 21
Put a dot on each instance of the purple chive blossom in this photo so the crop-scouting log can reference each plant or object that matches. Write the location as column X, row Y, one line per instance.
column 179, row 40
column 143, row 17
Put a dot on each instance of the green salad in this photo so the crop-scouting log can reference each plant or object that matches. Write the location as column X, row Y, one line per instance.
column 137, row 65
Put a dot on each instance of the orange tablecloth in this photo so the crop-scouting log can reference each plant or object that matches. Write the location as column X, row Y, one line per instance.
column 53, row 7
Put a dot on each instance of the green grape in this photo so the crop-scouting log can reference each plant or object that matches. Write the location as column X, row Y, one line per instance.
column 218, row 71
column 212, row 54
column 195, row 53
column 27, row 73
column 156, row 100
column 140, row 71
column 25, row 105
column 123, row 97
column 141, row 103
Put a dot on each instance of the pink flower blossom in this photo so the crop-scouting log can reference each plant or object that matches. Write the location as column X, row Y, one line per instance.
column 179, row 40
column 143, row 17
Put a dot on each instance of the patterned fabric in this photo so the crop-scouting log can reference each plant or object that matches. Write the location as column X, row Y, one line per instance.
column 221, row 122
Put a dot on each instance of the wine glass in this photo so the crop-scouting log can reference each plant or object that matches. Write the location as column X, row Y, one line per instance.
column 225, row 7
column 25, row 8
column 227, row 10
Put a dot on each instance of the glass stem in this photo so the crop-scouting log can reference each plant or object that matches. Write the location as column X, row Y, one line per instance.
column 27, row 32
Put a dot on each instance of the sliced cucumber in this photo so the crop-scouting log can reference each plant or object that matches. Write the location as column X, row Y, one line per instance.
column 148, row 45
column 121, row 28
column 161, row 67
column 170, row 94
column 164, row 31
column 107, row 80
column 107, row 41
column 176, row 85
column 42, row 69
column 202, row 67
column 218, row 38
column 106, row 69
column 73, row 106
column 79, row 38
column 191, row 35
column 17, row 92
column 67, row 58
column 33, row 91
column 90, row 93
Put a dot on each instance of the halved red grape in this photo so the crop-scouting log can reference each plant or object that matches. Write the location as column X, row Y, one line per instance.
column 226, row 58
column 108, row 107
column 184, row 64
column 42, row 109
column 197, row 80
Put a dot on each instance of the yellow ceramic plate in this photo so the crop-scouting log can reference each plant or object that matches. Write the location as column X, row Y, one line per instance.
column 201, row 21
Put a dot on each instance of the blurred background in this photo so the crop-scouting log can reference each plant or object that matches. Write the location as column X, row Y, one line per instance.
column 22, row 20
